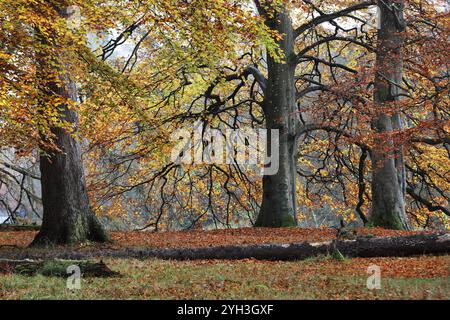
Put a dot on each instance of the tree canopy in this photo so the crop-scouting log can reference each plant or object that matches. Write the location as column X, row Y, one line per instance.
column 143, row 70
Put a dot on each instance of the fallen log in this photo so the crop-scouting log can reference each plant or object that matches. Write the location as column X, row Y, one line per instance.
column 361, row 247
column 420, row 244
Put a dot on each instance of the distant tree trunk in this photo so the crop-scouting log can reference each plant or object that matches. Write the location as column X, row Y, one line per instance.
column 278, row 208
column 388, row 204
column 67, row 216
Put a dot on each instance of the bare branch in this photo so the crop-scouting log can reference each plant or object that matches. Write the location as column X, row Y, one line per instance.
column 331, row 16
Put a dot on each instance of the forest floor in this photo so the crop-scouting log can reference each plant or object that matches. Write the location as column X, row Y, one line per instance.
column 422, row 277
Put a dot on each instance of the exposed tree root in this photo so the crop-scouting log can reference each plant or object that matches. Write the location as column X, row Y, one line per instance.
column 55, row 268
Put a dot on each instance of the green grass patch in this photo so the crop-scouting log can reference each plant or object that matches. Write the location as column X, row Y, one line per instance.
column 156, row 279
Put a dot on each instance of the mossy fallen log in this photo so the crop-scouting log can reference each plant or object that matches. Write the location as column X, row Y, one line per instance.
column 422, row 244
column 56, row 268
column 404, row 246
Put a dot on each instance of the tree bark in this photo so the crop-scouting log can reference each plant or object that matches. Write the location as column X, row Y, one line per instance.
column 67, row 216
column 388, row 203
column 278, row 208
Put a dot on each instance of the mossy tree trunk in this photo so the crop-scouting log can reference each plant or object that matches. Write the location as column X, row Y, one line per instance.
column 67, row 216
column 278, row 208
column 388, row 203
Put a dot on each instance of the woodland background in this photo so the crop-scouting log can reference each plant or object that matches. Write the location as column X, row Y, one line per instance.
column 144, row 69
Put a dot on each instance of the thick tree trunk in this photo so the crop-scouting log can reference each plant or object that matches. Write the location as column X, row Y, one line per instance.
column 67, row 216
column 436, row 244
column 388, row 204
column 278, row 208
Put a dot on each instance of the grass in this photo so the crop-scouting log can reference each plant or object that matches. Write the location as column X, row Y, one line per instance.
column 320, row 278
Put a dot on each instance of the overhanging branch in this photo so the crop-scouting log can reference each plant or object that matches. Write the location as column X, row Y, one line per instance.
column 428, row 204
column 331, row 16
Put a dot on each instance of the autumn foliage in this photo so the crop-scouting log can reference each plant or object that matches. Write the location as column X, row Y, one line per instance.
column 144, row 69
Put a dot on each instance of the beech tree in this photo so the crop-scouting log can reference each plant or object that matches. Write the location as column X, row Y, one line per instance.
column 400, row 121
column 41, row 94
column 279, row 204
column 388, row 167
column 67, row 217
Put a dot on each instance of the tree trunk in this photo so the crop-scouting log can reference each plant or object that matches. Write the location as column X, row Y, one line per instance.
column 67, row 216
column 388, row 204
column 397, row 124
column 278, row 208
